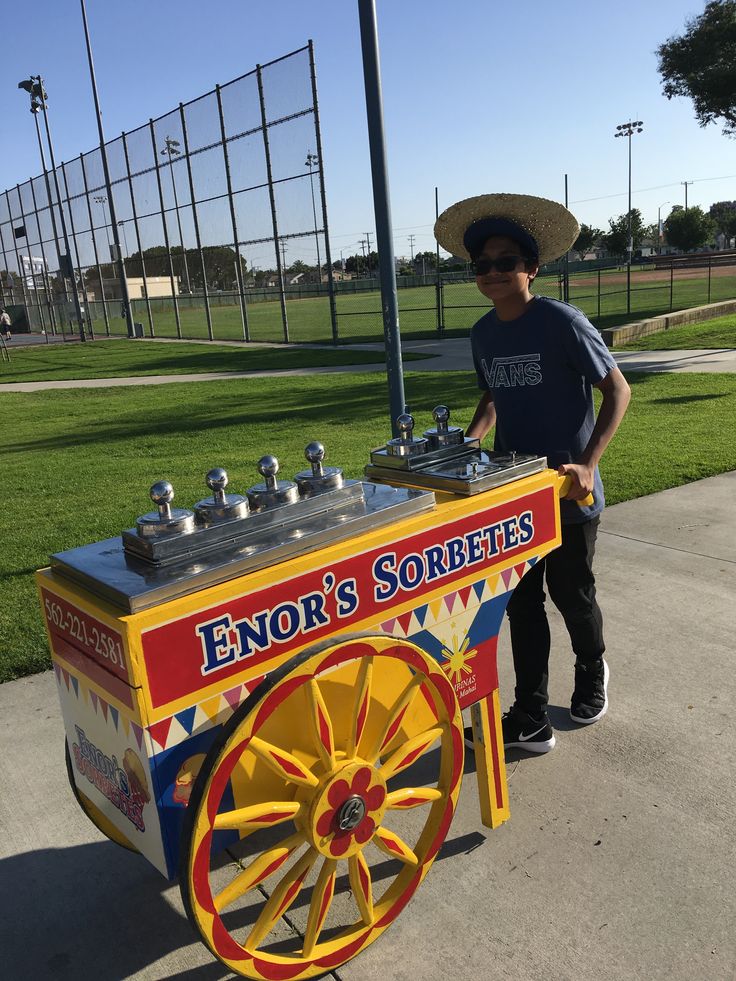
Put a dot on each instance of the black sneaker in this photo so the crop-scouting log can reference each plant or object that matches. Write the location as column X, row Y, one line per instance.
column 590, row 698
column 522, row 731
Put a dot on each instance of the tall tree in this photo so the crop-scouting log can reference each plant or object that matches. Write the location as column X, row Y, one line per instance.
column 689, row 229
column 219, row 264
column 586, row 239
column 723, row 214
column 700, row 62
column 617, row 239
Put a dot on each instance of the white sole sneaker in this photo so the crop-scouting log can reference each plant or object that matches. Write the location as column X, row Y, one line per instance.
column 595, row 718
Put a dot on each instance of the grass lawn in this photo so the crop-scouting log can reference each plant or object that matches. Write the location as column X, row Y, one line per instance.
column 360, row 318
column 707, row 334
column 122, row 358
column 76, row 467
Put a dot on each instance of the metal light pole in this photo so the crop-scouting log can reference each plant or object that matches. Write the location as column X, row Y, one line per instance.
column 125, row 297
column 382, row 208
column 312, row 161
column 659, row 224
column 35, row 109
column 628, row 130
column 101, row 199
column 566, row 259
column 172, row 150
column 35, row 87
column 121, row 223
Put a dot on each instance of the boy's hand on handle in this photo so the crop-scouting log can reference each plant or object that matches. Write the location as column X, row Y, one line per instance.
column 577, row 483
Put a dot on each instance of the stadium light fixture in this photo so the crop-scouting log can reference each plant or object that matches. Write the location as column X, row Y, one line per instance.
column 171, row 150
column 628, row 130
column 35, row 88
column 311, row 162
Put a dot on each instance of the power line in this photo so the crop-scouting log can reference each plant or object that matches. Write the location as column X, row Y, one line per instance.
column 656, row 187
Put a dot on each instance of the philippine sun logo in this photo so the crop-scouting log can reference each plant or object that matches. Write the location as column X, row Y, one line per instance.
column 458, row 659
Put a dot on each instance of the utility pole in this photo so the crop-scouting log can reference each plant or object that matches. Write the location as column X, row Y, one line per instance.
column 411, row 246
column 660, row 232
column 685, row 185
column 368, row 243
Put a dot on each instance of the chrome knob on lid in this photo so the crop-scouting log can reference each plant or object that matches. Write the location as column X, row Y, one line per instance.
column 405, row 444
column 221, row 506
column 272, row 491
column 443, row 434
column 166, row 520
column 320, row 478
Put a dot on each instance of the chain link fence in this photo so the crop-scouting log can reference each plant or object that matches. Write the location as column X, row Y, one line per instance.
column 451, row 303
column 217, row 199
column 214, row 200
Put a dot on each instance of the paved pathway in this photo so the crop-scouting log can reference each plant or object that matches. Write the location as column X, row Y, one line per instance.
column 451, row 354
column 617, row 863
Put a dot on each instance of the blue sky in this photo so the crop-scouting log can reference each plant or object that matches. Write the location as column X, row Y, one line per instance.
column 479, row 96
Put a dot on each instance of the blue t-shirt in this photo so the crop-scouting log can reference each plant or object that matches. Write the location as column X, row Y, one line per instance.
column 540, row 369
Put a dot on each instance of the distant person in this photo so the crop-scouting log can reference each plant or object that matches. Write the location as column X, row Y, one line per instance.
column 536, row 361
column 5, row 324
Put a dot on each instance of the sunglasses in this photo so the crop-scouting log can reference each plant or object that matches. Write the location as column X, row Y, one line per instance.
column 504, row 264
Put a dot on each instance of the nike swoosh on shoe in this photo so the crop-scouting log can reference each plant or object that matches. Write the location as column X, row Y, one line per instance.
column 524, row 739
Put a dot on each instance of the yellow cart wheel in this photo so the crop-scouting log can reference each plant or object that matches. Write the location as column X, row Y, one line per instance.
column 348, row 756
column 92, row 811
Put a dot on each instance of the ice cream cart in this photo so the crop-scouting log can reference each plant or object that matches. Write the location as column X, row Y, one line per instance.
column 263, row 694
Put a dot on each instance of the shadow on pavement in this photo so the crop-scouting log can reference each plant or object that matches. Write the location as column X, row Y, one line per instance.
column 90, row 911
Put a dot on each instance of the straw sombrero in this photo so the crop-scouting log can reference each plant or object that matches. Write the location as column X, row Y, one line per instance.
column 552, row 227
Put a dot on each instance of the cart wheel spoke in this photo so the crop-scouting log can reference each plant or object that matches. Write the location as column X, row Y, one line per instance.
column 360, row 710
column 257, row 816
column 360, row 883
column 288, row 767
column 407, row 797
column 281, row 899
column 258, row 871
column 319, row 907
column 321, row 724
column 410, row 751
column 394, row 846
column 396, row 716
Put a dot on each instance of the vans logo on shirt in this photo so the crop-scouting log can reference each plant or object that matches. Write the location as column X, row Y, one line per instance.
column 513, row 372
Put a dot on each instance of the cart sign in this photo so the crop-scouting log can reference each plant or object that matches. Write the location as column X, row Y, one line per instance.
column 184, row 656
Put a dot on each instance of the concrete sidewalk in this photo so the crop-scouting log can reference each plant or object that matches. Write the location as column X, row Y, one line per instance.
column 617, row 863
column 446, row 354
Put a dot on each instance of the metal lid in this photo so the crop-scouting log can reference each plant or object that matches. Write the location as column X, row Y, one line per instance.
column 272, row 492
column 443, row 434
column 221, row 506
column 320, row 478
column 166, row 521
column 405, row 444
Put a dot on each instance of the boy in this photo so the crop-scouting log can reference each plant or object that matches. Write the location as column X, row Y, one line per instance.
column 536, row 360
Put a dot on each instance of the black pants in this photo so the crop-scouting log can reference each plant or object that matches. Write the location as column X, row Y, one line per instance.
column 571, row 587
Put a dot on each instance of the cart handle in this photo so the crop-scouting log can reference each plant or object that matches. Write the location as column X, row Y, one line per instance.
column 563, row 486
